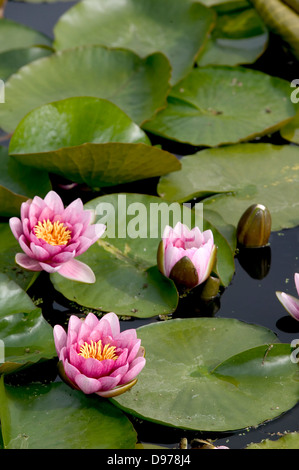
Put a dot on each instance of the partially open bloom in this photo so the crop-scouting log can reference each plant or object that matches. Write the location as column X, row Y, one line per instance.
column 290, row 303
column 51, row 236
column 96, row 357
column 186, row 256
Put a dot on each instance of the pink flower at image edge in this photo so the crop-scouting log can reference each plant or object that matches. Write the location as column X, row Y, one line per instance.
column 95, row 357
column 51, row 236
column 289, row 302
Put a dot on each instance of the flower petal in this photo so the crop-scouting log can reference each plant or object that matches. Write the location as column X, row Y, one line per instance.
column 60, row 338
column 16, row 227
column 77, row 271
column 136, row 367
column 290, row 303
column 88, row 385
column 27, row 263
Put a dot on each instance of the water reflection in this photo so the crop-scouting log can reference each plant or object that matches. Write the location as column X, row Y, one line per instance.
column 255, row 261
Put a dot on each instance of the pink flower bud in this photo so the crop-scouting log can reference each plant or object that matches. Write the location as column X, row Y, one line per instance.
column 186, row 256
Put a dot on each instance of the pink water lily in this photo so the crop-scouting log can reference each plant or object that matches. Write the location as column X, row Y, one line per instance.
column 290, row 303
column 96, row 357
column 186, row 256
column 51, row 236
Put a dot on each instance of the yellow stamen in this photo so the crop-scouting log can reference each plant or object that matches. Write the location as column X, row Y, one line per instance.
column 54, row 234
column 97, row 351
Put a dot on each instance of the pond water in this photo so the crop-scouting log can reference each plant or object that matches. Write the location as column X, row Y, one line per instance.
column 250, row 297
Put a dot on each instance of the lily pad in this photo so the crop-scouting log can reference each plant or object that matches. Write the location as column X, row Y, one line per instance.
column 237, row 176
column 124, row 261
column 221, row 105
column 143, row 26
column 288, row 441
column 291, row 131
column 19, row 183
column 112, row 149
column 212, row 374
column 8, row 249
column 14, row 35
column 239, row 37
column 53, row 416
column 11, row 61
column 26, row 335
column 138, row 86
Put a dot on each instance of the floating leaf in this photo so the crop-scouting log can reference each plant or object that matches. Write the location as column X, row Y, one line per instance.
column 112, row 149
column 221, row 105
column 19, row 183
column 12, row 61
column 15, row 36
column 138, row 86
column 238, row 176
column 239, row 38
column 288, row 441
column 291, row 131
column 53, row 416
column 124, row 261
column 212, row 374
column 27, row 337
column 8, row 249
column 226, row 4
column 143, row 26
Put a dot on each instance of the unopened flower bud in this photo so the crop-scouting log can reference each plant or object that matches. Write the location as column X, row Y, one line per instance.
column 254, row 227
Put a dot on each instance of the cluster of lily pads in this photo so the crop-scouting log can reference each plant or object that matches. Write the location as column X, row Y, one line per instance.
column 96, row 110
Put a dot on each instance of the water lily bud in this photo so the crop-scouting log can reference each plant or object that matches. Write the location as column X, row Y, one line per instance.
column 254, row 227
column 186, row 256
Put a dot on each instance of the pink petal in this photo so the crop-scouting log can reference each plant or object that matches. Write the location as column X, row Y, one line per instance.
column 60, row 338
column 88, row 385
column 113, row 321
column 171, row 256
column 91, row 320
column 296, row 277
column 73, row 212
column 136, row 367
column 16, row 227
column 49, row 268
column 71, row 371
column 107, row 383
column 27, row 263
column 290, row 303
column 54, row 202
column 77, row 271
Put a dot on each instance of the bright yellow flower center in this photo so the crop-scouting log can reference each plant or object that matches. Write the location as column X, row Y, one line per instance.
column 97, row 351
column 54, row 234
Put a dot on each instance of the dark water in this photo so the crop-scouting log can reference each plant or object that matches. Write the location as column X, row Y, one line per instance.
column 251, row 295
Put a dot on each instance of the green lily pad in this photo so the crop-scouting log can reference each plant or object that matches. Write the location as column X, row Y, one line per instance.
column 112, row 149
column 143, row 26
column 221, row 105
column 26, row 335
column 124, row 261
column 237, row 176
column 11, row 61
column 8, row 249
column 138, row 86
column 53, row 416
column 288, row 441
column 212, row 374
column 291, row 131
column 14, row 35
column 239, row 38
column 19, row 183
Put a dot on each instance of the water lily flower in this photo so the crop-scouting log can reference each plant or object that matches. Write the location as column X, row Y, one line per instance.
column 95, row 357
column 290, row 303
column 186, row 256
column 51, row 236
